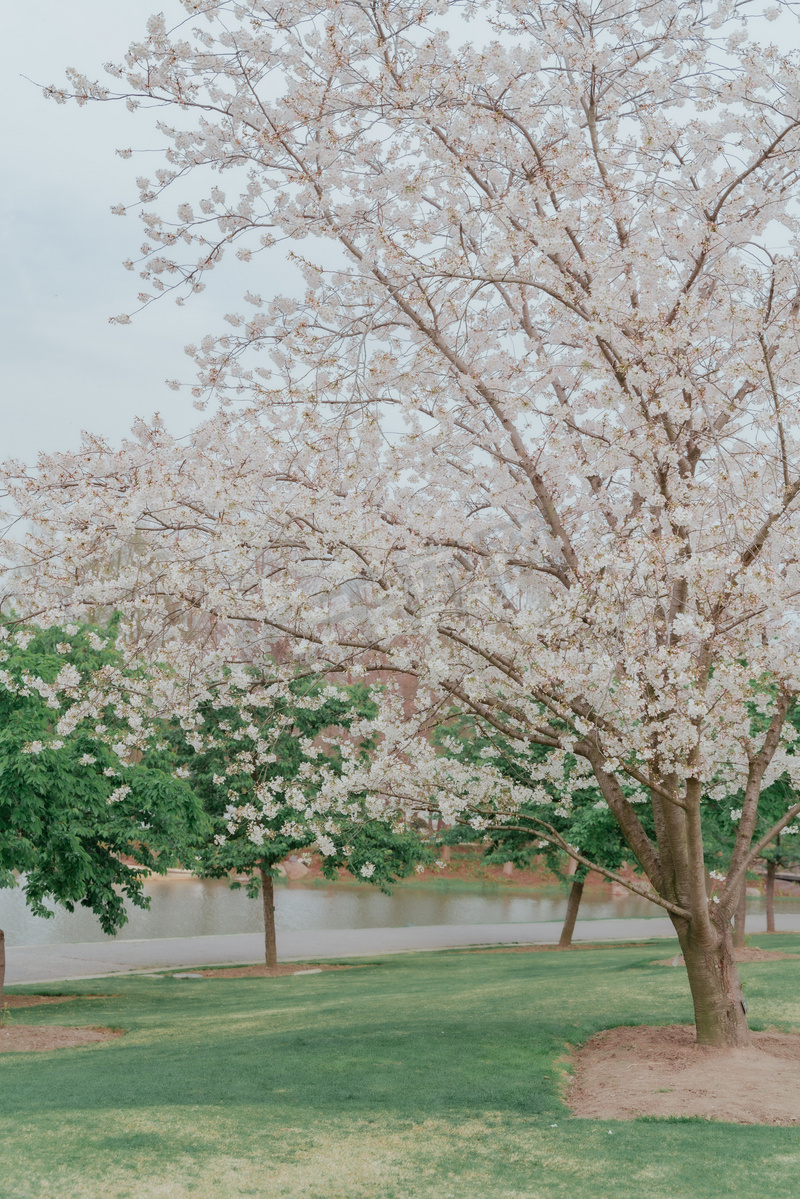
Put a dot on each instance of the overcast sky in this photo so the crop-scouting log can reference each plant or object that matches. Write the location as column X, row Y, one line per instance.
column 63, row 368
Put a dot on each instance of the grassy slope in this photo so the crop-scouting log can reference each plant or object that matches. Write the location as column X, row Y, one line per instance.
column 417, row 1076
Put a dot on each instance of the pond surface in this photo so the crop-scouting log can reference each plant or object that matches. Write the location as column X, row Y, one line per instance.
column 189, row 907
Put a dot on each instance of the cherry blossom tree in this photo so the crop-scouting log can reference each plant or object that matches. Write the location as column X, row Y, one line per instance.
column 526, row 431
column 253, row 760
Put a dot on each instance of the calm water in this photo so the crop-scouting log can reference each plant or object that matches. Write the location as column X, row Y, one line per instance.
column 186, row 907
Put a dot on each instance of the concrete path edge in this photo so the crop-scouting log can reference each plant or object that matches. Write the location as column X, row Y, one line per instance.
column 38, row 965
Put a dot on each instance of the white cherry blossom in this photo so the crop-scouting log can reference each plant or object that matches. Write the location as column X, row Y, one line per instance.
column 525, row 443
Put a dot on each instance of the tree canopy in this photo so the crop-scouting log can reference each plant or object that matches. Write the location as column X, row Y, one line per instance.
column 85, row 811
column 527, row 434
column 254, row 761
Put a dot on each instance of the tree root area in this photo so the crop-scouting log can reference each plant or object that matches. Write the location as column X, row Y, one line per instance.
column 623, row 1073
column 28, row 1038
column 278, row 971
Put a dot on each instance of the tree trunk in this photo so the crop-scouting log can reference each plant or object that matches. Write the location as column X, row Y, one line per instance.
column 268, row 902
column 719, row 1011
column 2, row 961
column 573, row 903
column 769, row 894
column 740, row 917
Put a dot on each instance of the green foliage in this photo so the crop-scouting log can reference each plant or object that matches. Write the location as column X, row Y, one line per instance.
column 719, row 827
column 264, row 752
column 720, row 815
column 580, row 815
column 70, row 806
column 394, row 853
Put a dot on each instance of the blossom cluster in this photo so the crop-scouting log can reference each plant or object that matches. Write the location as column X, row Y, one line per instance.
column 524, row 443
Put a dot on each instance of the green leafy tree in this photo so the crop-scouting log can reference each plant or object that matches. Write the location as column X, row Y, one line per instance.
column 721, row 818
column 256, row 758
column 722, row 813
column 87, row 810
column 780, row 856
column 582, row 835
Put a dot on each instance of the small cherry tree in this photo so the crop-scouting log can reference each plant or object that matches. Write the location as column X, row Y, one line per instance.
column 527, row 432
column 720, row 820
column 254, row 757
column 578, row 817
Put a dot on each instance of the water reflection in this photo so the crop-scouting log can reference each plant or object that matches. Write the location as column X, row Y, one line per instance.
column 186, row 907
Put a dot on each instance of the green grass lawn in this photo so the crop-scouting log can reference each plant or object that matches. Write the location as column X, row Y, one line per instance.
column 425, row 1076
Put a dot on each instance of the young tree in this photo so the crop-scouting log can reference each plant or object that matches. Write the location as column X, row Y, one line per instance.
column 531, row 433
column 585, row 824
column 255, row 754
column 80, row 795
column 577, row 813
column 720, row 818
column 781, row 855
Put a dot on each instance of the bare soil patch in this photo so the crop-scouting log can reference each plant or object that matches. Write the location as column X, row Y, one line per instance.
column 278, row 971
column 623, row 1073
column 34, row 1000
column 27, row 1038
column 747, row 954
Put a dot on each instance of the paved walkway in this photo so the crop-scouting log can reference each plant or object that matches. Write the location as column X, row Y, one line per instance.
column 31, row 964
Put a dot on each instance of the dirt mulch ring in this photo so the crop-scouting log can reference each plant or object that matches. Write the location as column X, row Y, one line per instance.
column 623, row 1073
column 747, row 954
column 33, row 1000
column 267, row 971
column 26, row 1038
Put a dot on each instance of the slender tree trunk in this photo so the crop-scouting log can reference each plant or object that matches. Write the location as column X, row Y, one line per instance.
column 719, row 1013
column 740, row 917
column 268, row 902
column 769, row 894
column 2, row 961
column 573, row 903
